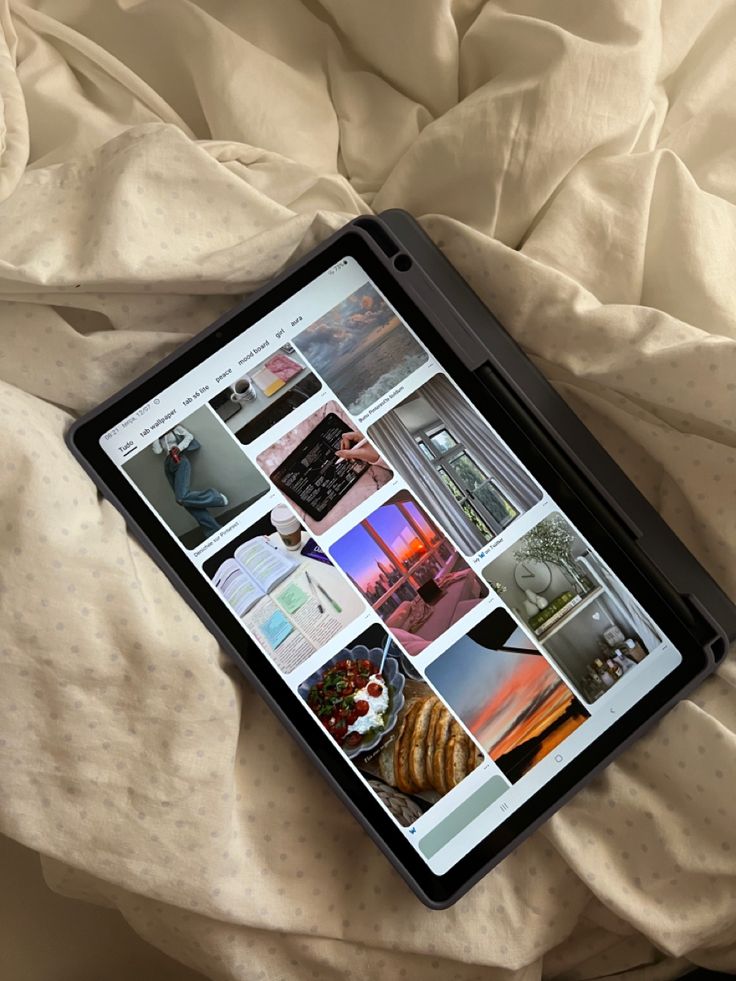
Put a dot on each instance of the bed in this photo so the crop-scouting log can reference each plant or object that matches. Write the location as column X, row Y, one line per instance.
column 158, row 160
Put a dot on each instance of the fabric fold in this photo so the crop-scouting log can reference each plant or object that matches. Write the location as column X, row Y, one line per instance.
column 161, row 159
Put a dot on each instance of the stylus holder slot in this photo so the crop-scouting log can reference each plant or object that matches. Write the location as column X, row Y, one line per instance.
column 379, row 235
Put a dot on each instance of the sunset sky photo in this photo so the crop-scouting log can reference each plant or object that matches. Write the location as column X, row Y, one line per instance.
column 513, row 702
column 358, row 553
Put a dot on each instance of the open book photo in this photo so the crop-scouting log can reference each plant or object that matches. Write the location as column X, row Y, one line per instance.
column 286, row 592
column 255, row 569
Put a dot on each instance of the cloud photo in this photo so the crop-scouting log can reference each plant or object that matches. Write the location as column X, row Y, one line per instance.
column 361, row 349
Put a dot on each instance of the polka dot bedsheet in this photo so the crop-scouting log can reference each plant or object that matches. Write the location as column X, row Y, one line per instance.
column 159, row 160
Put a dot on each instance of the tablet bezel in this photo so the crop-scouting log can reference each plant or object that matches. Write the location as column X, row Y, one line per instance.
column 437, row 891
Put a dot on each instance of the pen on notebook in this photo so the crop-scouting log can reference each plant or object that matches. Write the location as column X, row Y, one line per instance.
column 314, row 593
column 335, row 605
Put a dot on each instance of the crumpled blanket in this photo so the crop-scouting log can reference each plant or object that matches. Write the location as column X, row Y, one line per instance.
column 161, row 158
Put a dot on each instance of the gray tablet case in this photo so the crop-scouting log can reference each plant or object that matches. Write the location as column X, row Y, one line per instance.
column 484, row 346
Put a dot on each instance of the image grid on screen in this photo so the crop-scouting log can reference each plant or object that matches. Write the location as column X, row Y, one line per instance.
column 366, row 572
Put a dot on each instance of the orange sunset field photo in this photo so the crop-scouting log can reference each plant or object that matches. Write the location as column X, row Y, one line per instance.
column 507, row 694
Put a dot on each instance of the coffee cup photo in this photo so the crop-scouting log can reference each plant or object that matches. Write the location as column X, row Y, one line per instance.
column 243, row 390
column 287, row 525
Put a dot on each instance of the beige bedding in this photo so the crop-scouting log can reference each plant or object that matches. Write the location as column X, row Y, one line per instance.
column 577, row 161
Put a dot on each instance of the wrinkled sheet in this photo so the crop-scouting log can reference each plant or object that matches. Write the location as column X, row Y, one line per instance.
column 159, row 159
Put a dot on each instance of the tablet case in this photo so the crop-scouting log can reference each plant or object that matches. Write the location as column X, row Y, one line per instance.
column 484, row 346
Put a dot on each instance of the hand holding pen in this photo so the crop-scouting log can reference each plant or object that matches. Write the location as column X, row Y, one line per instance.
column 354, row 446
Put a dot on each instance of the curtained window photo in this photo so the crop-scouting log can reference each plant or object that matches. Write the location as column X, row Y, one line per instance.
column 455, row 464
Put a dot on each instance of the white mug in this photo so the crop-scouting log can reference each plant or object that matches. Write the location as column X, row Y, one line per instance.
column 243, row 390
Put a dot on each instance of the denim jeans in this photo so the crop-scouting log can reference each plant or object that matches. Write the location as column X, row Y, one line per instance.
column 179, row 476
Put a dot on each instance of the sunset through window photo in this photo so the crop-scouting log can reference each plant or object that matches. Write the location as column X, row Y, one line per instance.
column 409, row 572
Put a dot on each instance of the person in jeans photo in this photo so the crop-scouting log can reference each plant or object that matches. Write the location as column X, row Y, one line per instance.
column 175, row 445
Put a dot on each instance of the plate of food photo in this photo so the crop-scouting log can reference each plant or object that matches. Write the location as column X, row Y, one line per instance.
column 356, row 699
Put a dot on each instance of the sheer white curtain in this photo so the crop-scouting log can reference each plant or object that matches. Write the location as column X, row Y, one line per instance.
column 470, row 429
column 399, row 447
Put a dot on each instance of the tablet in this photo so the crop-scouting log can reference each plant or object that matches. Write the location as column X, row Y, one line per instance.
column 445, row 589
column 313, row 476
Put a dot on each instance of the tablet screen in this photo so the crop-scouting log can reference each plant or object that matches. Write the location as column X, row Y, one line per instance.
column 433, row 610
